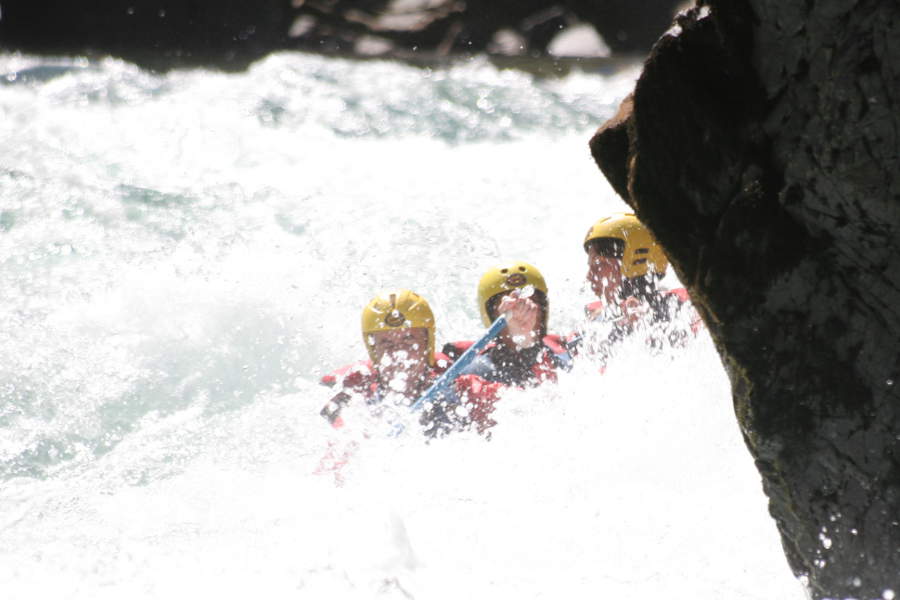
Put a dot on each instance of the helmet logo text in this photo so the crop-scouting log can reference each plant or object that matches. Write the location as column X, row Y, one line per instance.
column 516, row 280
column 394, row 318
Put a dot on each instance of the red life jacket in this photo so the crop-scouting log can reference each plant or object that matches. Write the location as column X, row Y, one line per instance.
column 592, row 309
column 480, row 395
column 557, row 355
column 681, row 294
column 356, row 373
column 359, row 379
column 357, row 370
column 560, row 354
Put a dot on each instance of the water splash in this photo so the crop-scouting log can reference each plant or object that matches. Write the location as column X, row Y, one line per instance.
column 181, row 256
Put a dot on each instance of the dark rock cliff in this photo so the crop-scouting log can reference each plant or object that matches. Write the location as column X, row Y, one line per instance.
column 762, row 145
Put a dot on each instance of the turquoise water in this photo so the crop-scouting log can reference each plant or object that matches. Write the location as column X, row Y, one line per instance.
column 183, row 255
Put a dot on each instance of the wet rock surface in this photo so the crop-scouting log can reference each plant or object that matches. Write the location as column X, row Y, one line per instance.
column 761, row 146
column 230, row 34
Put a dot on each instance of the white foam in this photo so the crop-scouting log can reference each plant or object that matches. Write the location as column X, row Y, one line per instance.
column 189, row 252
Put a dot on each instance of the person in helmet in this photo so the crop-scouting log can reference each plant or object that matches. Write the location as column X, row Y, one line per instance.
column 524, row 353
column 398, row 331
column 625, row 265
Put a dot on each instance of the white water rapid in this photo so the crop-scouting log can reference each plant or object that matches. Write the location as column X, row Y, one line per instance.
column 183, row 255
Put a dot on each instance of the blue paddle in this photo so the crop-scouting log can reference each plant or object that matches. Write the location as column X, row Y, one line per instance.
column 443, row 382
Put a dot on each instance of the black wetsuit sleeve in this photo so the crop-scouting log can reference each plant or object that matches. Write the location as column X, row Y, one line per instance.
column 332, row 410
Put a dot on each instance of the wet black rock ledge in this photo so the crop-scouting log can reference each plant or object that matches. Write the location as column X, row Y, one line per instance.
column 762, row 147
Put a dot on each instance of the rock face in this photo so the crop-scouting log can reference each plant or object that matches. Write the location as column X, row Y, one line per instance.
column 762, row 147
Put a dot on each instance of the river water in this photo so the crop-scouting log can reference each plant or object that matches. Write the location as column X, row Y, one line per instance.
column 183, row 255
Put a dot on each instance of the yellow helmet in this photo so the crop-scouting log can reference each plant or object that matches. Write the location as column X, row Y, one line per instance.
column 505, row 278
column 639, row 249
column 397, row 309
